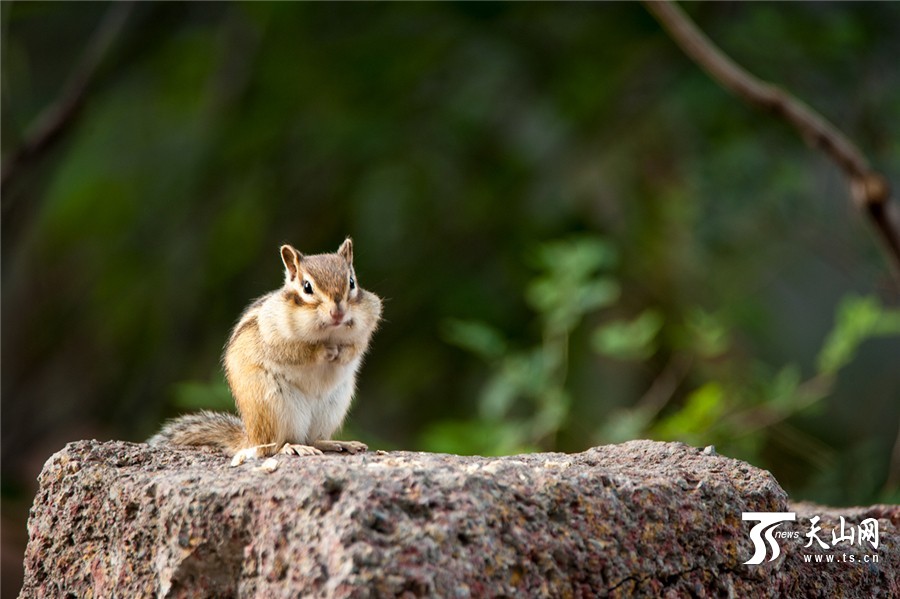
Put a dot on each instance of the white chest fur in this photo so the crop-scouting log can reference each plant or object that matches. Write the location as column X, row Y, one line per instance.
column 312, row 399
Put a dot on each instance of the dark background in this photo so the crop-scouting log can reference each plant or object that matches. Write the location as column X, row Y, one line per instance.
column 580, row 237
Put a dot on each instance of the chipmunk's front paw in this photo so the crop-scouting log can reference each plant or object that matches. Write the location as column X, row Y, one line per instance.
column 330, row 353
column 341, row 446
column 297, row 449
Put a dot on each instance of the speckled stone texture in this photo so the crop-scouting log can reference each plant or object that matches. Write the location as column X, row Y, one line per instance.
column 636, row 519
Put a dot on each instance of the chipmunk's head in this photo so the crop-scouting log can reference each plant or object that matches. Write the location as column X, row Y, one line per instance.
column 322, row 286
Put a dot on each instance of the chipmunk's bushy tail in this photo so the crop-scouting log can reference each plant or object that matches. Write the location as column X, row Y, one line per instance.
column 217, row 429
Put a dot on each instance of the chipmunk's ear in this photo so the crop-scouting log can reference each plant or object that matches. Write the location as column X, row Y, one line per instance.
column 291, row 258
column 346, row 250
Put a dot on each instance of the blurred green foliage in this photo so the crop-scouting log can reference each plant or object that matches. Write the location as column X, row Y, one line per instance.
column 526, row 404
column 531, row 382
column 581, row 239
column 859, row 319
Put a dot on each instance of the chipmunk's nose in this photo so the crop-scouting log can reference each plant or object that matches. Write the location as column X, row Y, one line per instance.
column 337, row 315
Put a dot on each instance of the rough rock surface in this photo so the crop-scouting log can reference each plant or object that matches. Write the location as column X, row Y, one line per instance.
column 636, row 519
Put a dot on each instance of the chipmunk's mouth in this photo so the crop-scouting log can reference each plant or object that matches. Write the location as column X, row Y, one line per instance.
column 337, row 324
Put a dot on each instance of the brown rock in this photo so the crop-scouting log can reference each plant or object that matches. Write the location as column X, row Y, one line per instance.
column 641, row 518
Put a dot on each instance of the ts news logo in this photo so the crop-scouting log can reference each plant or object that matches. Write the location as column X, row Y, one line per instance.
column 865, row 532
column 768, row 522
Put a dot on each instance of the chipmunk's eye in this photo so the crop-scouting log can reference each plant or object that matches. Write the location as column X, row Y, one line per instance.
column 352, row 283
column 307, row 287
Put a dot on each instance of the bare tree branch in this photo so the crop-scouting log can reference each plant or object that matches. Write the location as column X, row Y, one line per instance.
column 50, row 125
column 869, row 189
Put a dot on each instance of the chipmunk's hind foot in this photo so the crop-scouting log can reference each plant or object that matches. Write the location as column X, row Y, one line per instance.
column 340, row 446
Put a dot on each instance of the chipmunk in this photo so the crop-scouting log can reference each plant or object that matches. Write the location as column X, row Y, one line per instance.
column 291, row 363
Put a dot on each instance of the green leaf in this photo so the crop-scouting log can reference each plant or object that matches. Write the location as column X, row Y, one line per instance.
column 578, row 257
column 628, row 340
column 783, row 392
column 701, row 411
column 710, row 337
column 519, row 375
column 563, row 305
column 498, row 396
column 476, row 337
column 544, row 294
column 596, row 294
column 858, row 319
column 624, row 425
column 551, row 413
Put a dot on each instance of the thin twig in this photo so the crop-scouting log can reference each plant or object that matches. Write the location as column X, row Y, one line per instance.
column 762, row 417
column 664, row 386
column 869, row 189
column 50, row 125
